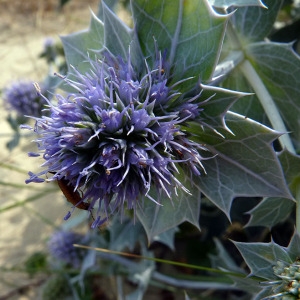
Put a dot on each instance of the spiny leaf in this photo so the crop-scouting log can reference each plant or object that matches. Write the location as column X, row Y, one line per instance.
column 184, row 207
column 229, row 3
column 120, row 39
column 270, row 212
column 294, row 246
column 247, row 106
column 245, row 163
column 117, row 35
column 220, row 101
column 261, row 257
column 111, row 4
column 82, row 46
column 223, row 260
column 291, row 167
column 189, row 30
column 282, row 83
column 255, row 23
column 125, row 234
column 167, row 237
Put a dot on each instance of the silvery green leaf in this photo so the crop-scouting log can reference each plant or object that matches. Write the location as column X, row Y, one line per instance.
column 222, row 260
column 242, row 164
column 219, row 102
column 111, row 4
column 270, row 212
column 89, row 262
column 167, row 237
column 238, row 3
column 172, row 211
column 264, row 293
column 274, row 210
column 248, row 106
column 282, row 83
column 117, row 35
column 261, row 257
column 248, row 285
column 294, row 246
column 125, row 234
column 120, row 39
column 186, row 296
column 190, row 31
column 255, row 23
column 142, row 279
column 82, row 46
column 291, row 167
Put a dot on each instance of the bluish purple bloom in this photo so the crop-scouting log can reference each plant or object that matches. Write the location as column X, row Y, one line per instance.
column 118, row 137
column 61, row 247
column 23, row 98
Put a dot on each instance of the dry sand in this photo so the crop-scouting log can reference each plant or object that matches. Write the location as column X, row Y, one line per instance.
column 24, row 25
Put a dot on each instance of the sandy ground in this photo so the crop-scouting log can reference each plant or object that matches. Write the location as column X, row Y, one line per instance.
column 24, row 25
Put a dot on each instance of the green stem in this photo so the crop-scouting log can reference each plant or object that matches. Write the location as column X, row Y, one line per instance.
column 170, row 262
column 273, row 114
column 261, row 92
column 268, row 104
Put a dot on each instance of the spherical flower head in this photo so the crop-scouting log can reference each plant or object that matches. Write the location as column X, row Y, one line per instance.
column 23, row 98
column 61, row 247
column 118, row 138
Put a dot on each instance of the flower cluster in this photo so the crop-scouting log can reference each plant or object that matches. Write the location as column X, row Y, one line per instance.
column 23, row 98
column 61, row 247
column 288, row 287
column 118, row 138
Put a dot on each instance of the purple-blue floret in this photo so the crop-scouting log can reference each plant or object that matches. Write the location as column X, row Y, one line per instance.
column 22, row 97
column 61, row 247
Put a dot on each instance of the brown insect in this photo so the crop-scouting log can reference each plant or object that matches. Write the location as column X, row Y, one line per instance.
column 71, row 195
column 74, row 197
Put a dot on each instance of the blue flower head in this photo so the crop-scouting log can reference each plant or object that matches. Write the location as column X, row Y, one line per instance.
column 23, row 98
column 61, row 247
column 119, row 138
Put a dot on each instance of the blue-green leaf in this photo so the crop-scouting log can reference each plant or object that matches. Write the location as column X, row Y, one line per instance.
column 167, row 237
column 229, row 3
column 220, row 101
column 261, row 257
column 282, row 82
column 222, row 260
column 125, row 234
column 142, row 279
column 117, row 36
column 82, row 46
column 271, row 211
column 294, row 246
column 182, row 207
column 291, row 167
column 190, row 31
column 111, row 4
column 186, row 296
column 248, row 106
column 120, row 39
column 255, row 23
column 245, row 163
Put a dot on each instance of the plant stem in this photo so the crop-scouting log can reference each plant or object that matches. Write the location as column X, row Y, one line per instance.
column 268, row 104
column 179, row 283
column 274, row 117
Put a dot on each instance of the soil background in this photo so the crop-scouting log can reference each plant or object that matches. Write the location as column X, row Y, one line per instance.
column 24, row 229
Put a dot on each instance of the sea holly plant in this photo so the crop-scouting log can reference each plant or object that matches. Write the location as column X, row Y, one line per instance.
column 277, row 266
column 184, row 103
